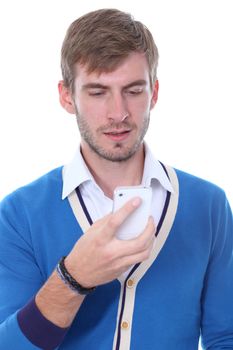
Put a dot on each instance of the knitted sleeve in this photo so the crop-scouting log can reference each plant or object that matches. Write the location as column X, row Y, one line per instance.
column 217, row 296
column 21, row 323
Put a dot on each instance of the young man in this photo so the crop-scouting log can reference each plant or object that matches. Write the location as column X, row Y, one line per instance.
column 67, row 282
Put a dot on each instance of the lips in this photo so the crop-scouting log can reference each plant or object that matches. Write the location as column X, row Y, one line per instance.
column 117, row 135
column 117, row 132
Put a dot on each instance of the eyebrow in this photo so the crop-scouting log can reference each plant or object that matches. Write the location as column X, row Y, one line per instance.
column 140, row 82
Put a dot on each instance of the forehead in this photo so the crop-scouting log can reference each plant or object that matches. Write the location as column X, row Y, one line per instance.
column 134, row 67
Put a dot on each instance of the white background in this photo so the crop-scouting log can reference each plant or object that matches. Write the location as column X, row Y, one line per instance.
column 191, row 125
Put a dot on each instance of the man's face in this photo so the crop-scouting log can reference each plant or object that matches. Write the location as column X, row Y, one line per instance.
column 113, row 108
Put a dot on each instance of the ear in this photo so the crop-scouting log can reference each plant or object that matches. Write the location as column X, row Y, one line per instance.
column 154, row 94
column 65, row 98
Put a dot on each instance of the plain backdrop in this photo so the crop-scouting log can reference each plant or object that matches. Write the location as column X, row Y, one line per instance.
column 190, row 126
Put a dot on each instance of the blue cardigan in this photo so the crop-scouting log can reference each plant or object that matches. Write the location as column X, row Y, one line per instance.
column 184, row 289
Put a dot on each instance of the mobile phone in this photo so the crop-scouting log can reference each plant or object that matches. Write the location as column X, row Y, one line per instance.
column 136, row 222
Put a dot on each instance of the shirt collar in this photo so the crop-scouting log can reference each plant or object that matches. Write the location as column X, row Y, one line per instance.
column 153, row 170
column 76, row 173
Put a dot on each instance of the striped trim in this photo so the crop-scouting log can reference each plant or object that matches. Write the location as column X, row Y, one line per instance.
column 122, row 337
column 83, row 206
column 164, row 212
column 78, row 211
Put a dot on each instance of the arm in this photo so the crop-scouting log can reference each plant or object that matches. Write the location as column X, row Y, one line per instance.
column 97, row 257
column 20, row 276
column 217, row 299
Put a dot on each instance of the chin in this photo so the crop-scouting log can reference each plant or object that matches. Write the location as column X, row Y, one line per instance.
column 118, row 153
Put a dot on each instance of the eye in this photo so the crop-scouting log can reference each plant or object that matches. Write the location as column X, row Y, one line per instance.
column 135, row 91
column 96, row 92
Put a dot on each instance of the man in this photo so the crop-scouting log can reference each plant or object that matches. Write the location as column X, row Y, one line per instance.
column 67, row 282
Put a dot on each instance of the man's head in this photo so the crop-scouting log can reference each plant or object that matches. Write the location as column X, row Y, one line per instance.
column 101, row 40
column 109, row 82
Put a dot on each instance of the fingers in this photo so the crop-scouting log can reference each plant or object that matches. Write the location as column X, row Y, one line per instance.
column 98, row 257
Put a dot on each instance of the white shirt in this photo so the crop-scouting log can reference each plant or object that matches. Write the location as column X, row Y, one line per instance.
column 76, row 173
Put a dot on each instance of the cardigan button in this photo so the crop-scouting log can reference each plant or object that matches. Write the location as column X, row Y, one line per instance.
column 125, row 325
column 130, row 283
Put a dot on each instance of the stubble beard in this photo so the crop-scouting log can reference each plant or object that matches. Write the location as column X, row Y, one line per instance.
column 120, row 152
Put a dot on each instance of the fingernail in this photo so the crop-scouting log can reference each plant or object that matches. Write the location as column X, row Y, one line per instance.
column 136, row 202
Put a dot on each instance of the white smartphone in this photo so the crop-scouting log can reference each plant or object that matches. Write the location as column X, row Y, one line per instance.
column 136, row 222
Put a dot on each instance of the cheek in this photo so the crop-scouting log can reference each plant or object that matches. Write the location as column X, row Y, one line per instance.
column 140, row 109
column 92, row 111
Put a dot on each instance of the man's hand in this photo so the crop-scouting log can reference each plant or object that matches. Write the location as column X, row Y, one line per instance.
column 99, row 257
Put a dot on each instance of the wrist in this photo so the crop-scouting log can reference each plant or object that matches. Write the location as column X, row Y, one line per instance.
column 68, row 278
column 58, row 303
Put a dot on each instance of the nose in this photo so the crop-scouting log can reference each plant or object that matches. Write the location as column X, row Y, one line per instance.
column 117, row 108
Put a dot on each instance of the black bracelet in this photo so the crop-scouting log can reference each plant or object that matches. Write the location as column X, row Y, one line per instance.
column 69, row 280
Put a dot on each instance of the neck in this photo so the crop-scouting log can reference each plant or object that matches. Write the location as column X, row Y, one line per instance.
column 108, row 175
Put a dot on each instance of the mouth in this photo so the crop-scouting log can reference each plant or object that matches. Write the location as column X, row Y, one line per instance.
column 117, row 135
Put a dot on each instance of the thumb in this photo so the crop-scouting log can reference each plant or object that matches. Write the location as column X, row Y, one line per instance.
column 119, row 216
